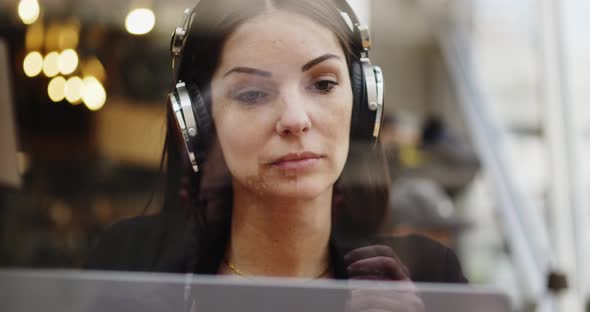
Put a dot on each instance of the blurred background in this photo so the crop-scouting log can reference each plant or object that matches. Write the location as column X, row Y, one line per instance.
column 487, row 131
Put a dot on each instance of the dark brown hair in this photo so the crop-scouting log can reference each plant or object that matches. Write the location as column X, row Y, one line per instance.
column 360, row 198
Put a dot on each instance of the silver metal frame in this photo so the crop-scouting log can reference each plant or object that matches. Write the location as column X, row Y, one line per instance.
column 185, row 119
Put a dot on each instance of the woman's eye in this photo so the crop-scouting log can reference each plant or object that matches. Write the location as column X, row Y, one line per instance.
column 251, row 97
column 324, row 86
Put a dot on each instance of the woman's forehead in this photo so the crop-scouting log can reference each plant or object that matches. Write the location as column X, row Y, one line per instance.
column 278, row 36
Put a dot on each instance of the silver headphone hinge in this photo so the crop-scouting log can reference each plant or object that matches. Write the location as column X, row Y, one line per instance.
column 178, row 40
column 365, row 37
column 177, row 44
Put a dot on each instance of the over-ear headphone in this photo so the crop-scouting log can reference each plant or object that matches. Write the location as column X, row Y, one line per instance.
column 193, row 120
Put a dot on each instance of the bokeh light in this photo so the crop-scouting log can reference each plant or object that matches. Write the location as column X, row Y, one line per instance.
column 28, row 11
column 140, row 21
column 33, row 64
column 73, row 90
column 52, row 34
column 51, row 64
column 34, row 37
column 93, row 93
column 69, row 35
column 93, row 67
column 68, row 61
column 56, row 89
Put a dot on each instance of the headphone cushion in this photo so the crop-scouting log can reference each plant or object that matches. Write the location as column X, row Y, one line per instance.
column 360, row 128
column 203, row 119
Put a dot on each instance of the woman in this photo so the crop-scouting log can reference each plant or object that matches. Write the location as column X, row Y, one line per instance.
column 290, row 181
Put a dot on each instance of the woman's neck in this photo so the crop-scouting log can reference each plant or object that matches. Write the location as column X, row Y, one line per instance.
column 279, row 237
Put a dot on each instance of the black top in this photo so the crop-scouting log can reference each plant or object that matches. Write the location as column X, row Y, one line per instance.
column 158, row 244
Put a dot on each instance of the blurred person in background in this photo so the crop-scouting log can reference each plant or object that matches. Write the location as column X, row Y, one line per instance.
column 429, row 150
column 451, row 161
column 420, row 206
column 291, row 181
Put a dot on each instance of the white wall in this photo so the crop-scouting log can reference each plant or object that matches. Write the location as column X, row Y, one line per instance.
column 362, row 10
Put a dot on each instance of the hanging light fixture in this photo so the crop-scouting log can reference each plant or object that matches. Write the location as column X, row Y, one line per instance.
column 73, row 90
column 28, row 11
column 51, row 64
column 68, row 61
column 93, row 93
column 33, row 64
column 56, row 89
column 140, row 21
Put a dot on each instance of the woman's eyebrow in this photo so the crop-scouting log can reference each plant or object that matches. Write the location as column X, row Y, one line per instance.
column 249, row 70
column 318, row 60
column 265, row 74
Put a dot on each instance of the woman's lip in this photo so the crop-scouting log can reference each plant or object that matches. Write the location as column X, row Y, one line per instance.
column 297, row 156
column 302, row 163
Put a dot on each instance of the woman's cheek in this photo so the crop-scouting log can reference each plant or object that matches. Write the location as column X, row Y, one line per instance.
column 336, row 130
column 240, row 142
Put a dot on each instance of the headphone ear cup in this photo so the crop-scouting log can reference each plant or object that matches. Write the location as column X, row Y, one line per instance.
column 201, row 141
column 362, row 119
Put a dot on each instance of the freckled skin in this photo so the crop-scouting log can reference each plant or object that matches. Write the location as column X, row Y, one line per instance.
column 293, row 118
column 267, row 104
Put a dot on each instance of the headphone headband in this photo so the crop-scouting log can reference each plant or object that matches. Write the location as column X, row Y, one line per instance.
column 181, row 33
column 178, row 41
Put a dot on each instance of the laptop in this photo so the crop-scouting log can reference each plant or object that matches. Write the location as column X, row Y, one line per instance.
column 49, row 291
column 9, row 175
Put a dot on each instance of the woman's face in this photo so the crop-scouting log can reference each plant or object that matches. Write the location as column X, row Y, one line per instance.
column 282, row 103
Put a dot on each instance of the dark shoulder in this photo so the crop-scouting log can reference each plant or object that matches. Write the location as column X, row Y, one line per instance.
column 133, row 244
column 426, row 259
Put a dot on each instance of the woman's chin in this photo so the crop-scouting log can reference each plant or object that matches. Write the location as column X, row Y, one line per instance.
column 303, row 194
column 296, row 187
column 297, row 190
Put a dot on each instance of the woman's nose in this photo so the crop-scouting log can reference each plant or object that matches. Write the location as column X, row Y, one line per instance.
column 294, row 119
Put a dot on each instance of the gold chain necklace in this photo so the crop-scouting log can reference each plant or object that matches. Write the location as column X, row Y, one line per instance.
column 235, row 269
